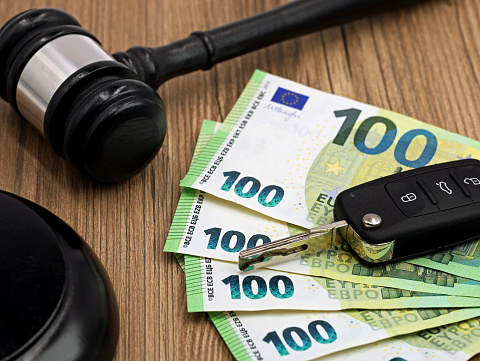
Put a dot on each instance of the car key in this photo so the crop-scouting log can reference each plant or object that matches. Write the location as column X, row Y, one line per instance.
column 396, row 217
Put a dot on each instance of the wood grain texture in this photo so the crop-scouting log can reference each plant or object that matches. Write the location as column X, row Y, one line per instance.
column 422, row 61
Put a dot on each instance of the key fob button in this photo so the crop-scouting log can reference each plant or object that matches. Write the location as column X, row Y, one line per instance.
column 409, row 197
column 445, row 189
column 469, row 176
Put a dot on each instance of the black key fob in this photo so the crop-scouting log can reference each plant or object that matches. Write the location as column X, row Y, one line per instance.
column 56, row 301
column 412, row 213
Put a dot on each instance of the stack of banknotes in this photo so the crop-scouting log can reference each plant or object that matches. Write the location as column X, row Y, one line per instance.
column 272, row 169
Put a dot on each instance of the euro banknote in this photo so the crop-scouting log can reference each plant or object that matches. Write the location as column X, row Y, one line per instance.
column 214, row 285
column 286, row 150
column 306, row 335
column 205, row 225
column 455, row 342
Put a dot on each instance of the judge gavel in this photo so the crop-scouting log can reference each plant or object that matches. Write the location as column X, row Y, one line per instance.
column 102, row 114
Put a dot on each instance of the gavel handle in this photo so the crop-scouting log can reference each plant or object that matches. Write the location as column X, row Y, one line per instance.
column 202, row 50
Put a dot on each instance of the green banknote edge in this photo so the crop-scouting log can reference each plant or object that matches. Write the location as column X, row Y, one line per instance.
column 457, row 269
column 181, row 260
column 230, row 121
column 230, row 337
column 180, row 219
column 193, row 266
column 207, row 132
column 187, row 197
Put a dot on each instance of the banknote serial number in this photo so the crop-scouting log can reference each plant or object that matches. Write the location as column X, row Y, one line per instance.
column 249, row 187
column 400, row 152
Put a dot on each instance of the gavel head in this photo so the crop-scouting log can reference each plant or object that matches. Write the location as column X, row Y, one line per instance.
column 93, row 110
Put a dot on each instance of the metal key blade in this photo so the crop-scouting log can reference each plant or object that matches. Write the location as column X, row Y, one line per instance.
column 289, row 247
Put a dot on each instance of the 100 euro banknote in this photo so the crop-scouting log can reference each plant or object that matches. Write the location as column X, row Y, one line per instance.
column 286, row 150
column 300, row 335
column 214, row 285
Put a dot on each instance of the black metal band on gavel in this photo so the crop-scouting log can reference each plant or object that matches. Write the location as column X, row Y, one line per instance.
column 104, row 116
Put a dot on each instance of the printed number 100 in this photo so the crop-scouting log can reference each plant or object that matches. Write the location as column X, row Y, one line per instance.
column 352, row 115
column 248, row 187
column 306, row 341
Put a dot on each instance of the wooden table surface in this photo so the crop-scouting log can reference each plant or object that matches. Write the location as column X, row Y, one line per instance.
column 422, row 61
